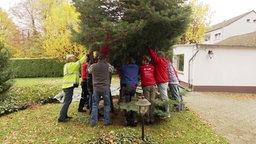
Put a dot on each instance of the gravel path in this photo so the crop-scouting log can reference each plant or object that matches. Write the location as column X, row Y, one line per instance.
column 232, row 115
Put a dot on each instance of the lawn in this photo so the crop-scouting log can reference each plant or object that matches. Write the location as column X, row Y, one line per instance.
column 38, row 124
column 23, row 82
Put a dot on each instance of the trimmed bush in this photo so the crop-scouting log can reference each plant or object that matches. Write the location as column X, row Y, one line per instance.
column 37, row 67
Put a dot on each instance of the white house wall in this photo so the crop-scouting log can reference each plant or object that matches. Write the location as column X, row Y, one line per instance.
column 212, row 37
column 228, row 67
column 188, row 51
column 241, row 26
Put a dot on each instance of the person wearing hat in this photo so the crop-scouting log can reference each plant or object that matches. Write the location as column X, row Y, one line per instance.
column 71, row 77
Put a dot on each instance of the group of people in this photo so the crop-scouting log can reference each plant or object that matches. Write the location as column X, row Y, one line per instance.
column 156, row 77
column 96, row 84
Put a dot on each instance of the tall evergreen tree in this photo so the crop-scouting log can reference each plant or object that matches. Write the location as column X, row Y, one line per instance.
column 131, row 26
column 5, row 69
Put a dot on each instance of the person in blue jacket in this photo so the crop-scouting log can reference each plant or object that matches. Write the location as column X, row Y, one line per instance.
column 129, row 80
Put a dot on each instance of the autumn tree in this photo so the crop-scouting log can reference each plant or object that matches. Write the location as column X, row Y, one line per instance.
column 60, row 18
column 45, row 27
column 130, row 26
column 199, row 22
column 26, row 15
column 9, row 34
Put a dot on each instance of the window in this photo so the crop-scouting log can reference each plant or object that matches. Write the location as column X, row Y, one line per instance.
column 217, row 36
column 179, row 62
column 254, row 20
column 248, row 20
column 207, row 37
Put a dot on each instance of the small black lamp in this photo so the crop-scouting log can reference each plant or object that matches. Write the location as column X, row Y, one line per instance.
column 143, row 106
column 210, row 54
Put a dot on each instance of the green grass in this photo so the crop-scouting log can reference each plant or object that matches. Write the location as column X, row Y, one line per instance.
column 38, row 124
column 21, row 82
column 24, row 82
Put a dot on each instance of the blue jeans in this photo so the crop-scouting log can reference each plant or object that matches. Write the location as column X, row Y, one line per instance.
column 95, row 104
column 175, row 91
column 90, row 102
column 162, row 87
column 68, row 94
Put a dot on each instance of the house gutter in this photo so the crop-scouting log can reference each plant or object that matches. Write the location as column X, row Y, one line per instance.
column 189, row 65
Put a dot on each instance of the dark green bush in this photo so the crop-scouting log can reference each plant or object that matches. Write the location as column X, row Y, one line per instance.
column 18, row 98
column 160, row 106
column 37, row 67
column 5, row 68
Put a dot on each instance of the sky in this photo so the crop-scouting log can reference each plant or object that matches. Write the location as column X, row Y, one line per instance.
column 5, row 4
column 227, row 9
column 221, row 9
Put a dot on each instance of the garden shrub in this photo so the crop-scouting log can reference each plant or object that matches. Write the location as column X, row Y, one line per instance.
column 37, row 67
column 160, row 105
column 18, row 98
column 5, row 68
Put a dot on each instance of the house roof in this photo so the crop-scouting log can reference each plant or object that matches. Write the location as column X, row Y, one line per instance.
column 248, row 39
column 227, row 22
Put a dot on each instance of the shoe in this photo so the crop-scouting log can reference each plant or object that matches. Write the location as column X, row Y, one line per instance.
column 62, row 120
column 81, row 110
column 107, row 124
column 68, row 117
column 126, row 123
column 147, row 122
column 152, row 121
column 133, row 124
column 92, row 125
column 54, row 100
column 100, row 115
column 165, row 117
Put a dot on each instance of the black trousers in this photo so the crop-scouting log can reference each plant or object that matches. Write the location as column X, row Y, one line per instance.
column 130, row 116
column 84, row 95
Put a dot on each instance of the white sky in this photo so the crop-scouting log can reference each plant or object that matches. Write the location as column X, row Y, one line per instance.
column 5, row 4
column 227, row 9
column 221, row 9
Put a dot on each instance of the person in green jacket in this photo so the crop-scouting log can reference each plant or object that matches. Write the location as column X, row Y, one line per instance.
column 71, row 77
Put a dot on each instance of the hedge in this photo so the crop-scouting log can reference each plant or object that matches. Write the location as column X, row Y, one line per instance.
column 37, row 67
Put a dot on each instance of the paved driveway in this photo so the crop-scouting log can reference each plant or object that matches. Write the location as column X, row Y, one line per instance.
column 232, row 115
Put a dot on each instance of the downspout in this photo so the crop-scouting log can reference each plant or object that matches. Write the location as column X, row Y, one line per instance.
column 189, row 65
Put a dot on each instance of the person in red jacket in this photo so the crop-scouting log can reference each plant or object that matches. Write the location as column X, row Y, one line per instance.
column 148, row 84
column 84, row 95
column 161, row 74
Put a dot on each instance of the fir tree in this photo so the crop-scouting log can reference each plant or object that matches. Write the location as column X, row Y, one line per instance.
column 131, row 26
column 5, row 69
